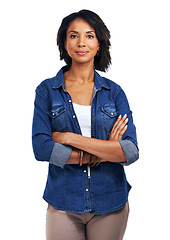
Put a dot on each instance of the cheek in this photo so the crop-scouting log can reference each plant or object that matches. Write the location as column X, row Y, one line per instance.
column 69, row 48
column 69, row 45
column 95, row 46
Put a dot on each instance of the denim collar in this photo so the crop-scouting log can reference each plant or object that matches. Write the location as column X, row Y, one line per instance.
column 59, row 80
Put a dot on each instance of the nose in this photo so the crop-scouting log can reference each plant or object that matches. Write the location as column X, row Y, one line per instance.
column 81, row 45
column 81, row 42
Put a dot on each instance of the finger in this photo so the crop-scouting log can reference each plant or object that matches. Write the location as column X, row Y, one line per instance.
column 119, row 131
column 116, row 123
column 122, row 127
column 117, row 127
column 122, row 132
column 120, row 124
column 117, row 134
column 55, row 136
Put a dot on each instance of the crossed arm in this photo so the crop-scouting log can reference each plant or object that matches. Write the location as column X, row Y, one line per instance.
column 105, row 150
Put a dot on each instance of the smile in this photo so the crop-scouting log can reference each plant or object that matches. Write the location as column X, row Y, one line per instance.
column 82, row 53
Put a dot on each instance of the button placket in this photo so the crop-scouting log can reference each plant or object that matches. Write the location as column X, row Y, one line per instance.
column 93, row 119
column 71, row 108
column 87, row 191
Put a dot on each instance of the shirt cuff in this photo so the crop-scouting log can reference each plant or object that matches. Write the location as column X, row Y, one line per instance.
column 131, row 152
column 60, row 154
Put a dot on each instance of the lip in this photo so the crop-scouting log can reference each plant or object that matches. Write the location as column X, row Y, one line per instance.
column 81, row 53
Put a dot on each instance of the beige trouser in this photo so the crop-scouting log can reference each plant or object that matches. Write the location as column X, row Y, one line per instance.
column 61, row 225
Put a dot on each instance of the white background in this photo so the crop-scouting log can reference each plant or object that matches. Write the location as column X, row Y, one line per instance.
column 140, row 40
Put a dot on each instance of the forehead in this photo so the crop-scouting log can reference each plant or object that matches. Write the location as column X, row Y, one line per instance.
column 79, row 25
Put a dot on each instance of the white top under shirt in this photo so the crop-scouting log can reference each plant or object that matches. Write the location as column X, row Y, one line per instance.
column 83, row 114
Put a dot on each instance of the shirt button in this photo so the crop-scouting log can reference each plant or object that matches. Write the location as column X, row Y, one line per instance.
column 93, row 118
column 74, row 116
column 87, row 189
column 69, row 100
column 112, row 114
column 85, row 171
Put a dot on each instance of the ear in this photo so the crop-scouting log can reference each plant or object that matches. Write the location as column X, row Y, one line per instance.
column 98, row 47
column 65, row 45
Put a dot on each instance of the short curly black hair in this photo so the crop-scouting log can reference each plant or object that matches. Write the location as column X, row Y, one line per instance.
column 103, row 59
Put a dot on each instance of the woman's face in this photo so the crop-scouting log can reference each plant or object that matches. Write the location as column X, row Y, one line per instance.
column 81, row 42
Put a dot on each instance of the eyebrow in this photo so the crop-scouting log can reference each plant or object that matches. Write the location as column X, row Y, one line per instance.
column 86, row 32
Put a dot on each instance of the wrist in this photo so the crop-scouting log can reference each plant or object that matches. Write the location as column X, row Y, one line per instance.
column 73, row 139
column 67, row 138
column 86, row 158
column 94, row 161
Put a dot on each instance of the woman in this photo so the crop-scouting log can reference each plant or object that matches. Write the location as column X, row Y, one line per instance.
column 80, row 128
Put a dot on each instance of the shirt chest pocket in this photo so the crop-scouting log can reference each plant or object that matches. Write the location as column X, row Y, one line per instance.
column 109, row 116
column 58, row 117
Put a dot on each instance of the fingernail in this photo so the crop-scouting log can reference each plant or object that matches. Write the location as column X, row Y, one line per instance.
column 125, row 116
column 120, row 116
column 126, row 120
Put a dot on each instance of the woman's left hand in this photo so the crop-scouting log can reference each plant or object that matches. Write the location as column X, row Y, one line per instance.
column 119, row 128
column 60, row 137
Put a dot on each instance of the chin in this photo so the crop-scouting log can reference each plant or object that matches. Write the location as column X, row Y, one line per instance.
column 83, row 60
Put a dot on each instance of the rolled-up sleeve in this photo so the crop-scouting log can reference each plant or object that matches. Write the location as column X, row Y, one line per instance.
column 60, row 154
column 131, row 152
column 123, row 108
column 129, row 142
column 45, row 149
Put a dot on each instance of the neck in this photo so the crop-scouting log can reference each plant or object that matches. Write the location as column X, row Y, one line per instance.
column 81, row 72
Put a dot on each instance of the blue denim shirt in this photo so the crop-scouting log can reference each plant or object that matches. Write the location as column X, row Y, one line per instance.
column 67, row 186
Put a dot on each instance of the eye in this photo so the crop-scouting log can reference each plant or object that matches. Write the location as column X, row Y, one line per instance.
column 90, row 36
column 73, row 36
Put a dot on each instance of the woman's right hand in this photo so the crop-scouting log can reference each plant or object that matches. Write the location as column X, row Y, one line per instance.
column 117, row 132
column 119, row 128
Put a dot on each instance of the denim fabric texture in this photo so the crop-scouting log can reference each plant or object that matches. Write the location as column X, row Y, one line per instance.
column 67, row 186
